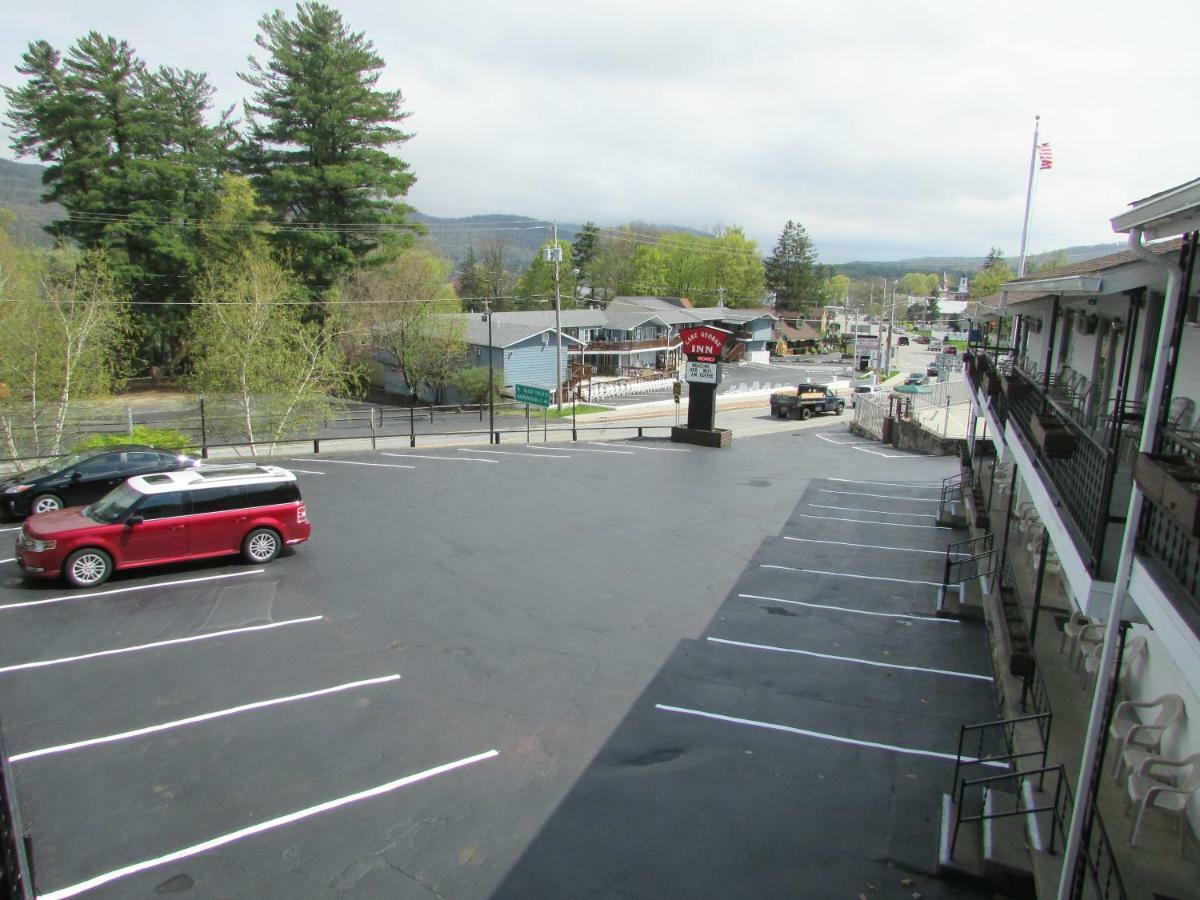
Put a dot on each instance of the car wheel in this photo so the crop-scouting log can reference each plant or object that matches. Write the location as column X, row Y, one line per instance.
column 45, row 503
column 805, row 413
column 261, row 545
column 87, row 567
column 841, row 408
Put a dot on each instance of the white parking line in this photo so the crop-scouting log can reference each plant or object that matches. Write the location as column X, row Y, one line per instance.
column 350, row 462
column 513, row 453
column 846, row 609
column 880, row 496
column 871, row 546
column 804, row 732
column 852, row 659
column 230, row 837
column 576, row 449
column 42, row 663
column 852, row 575
column 878, row 512
column 203, row 717
column 830, row 440
column 126, row 590
column 14, row 528
column 916, row 487
column 869, row 522
column 10, row 559
column 891, row 455
column 657, row 449
column 491, row 462
column 306, row 471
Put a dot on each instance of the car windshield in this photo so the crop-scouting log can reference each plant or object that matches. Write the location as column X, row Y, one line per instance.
column 113, row 506
column 58, row 464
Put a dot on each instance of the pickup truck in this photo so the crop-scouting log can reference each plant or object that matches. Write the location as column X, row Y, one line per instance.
column 804, row 400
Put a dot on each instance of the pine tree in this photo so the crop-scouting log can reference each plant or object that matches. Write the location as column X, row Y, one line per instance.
column 320, row 132
column 792, row 272
column 583, row 253
column 130, row 155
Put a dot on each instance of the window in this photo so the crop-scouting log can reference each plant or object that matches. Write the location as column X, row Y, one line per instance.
column 162, row 506
column 100, row 466
column 216, row 499
column 270, row 494
column 142, row 460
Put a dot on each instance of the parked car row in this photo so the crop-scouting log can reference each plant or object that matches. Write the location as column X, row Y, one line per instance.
column 176, row 511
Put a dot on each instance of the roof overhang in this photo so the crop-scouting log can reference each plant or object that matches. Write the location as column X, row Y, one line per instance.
column 1072, row 284
column 1166, row 214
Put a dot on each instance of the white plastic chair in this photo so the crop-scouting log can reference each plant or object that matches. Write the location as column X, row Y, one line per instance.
column 1091, row 638
column 1167, row 784
column 1131, row 733
column 1071, row 630
column 1135, row 649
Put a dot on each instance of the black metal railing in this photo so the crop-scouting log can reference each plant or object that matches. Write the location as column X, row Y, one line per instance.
column 993, row 781
column 1083, row 480
column 1163, row 538
column 969, row 559
column 952, row 492
column 16, row 876
column 1099, row 876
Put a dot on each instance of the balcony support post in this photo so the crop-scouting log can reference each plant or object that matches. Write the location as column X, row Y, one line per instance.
column 1037, row 587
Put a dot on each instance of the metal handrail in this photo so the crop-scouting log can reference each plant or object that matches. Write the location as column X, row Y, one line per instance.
column 1021, row 775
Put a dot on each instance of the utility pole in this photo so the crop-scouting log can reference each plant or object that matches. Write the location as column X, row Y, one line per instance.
column 491, row 389
column 554, row 254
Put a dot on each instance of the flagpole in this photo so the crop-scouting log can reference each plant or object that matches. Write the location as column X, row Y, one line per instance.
column 1028, row 195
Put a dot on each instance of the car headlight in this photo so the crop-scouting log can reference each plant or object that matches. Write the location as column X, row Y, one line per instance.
column 17, row 489
column 39, row 546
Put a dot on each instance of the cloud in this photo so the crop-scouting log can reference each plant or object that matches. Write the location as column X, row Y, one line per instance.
column 885, row 128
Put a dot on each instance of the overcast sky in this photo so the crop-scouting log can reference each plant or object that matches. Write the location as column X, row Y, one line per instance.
column 888, row 129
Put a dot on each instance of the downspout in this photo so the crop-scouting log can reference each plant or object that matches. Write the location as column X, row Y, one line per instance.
column 1105, row 674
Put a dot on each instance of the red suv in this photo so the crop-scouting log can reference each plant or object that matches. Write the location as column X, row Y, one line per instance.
column 168, row 517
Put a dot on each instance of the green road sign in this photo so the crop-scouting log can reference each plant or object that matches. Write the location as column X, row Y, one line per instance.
column 533, row 395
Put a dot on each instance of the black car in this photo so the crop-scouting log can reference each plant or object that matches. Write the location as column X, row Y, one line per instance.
column 82, row 478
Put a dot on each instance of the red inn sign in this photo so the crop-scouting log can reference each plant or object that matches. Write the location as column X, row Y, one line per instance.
column 703, row 343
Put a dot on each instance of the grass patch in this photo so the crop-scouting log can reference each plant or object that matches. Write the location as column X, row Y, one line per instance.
column 162, row 438
column 581, row 409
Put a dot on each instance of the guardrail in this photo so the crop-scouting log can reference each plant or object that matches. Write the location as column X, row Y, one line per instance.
column 869, row 413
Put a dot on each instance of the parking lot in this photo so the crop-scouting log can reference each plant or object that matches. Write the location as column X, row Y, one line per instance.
column 624, row 668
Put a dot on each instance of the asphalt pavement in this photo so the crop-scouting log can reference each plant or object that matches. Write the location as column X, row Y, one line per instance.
column 611, row 668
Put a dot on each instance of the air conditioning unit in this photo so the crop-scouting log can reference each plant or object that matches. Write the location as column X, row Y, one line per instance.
column 1086, row 324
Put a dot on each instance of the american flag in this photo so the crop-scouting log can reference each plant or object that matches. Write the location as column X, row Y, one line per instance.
column 1046, row 155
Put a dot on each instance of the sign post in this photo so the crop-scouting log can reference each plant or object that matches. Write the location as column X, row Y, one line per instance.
column 534, row 396
column 703, row 346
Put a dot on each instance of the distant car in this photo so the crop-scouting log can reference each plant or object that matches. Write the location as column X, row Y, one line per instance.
column 935, row 346
column 950, row 349
column 921, row 339
column 933, row 372
column 917, row 378
column 82, row 477
column 866, row 390
column 168, row 517
column 902, row 341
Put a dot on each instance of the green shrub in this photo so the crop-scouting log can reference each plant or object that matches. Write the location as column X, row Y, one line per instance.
column 162, row 438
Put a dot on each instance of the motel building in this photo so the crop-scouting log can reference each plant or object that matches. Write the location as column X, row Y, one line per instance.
column 1082, row 481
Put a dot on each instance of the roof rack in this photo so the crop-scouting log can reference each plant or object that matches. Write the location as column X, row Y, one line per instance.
column 208, row 473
